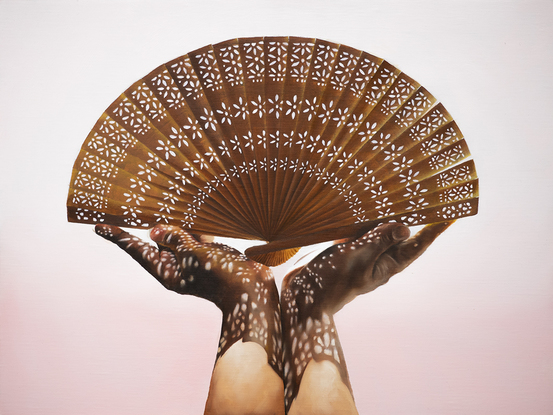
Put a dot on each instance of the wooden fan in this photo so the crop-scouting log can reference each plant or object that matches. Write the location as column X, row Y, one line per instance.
column 288, row 140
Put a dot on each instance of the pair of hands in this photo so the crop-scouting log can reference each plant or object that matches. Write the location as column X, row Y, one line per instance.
column 218, row 273
column 246, row 293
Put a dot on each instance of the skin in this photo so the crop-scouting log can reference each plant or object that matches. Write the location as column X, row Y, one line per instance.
column 249, row 356
column 263, row 341
column 316, row 377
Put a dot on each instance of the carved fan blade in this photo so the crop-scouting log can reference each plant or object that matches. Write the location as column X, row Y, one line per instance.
column 288, row 140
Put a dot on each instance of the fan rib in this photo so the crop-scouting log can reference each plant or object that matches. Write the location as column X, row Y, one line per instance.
column 213, row 137
column 299, row 196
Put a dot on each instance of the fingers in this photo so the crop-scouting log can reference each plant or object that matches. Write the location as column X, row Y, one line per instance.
column 185, row 244
column 109, row 232
column 380, row 239
column 129, row 243
column 173, row 238
column 390, row 234
column 409, row 250
column 161, row 264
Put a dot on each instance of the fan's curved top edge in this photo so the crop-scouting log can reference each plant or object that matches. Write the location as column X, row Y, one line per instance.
column 283, row 139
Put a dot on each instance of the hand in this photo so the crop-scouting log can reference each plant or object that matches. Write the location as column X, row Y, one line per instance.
column 351, row 268
column 313, row 294
column 183, row 264
column 245, row 292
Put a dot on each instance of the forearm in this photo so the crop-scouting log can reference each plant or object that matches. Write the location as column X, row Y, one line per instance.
column 313, row 294
column 311, row 342
column 310, row 339
column 247, row 377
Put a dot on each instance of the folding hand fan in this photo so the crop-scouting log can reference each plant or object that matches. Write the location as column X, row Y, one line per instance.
column 288, row 140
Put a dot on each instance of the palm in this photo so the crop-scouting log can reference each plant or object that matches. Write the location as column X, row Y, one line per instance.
column 182, row 264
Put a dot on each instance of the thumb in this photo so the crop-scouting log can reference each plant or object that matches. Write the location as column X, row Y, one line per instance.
column 385, row 236
column 409, row 250
column 401, row 255
column 359, row 256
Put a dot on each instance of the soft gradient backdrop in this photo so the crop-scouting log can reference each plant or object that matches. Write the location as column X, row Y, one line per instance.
column 468, row 329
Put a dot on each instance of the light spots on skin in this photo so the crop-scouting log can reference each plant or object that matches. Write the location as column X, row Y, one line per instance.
column 251, row 310
column 249, row 299
column 243, row 289
column 251, row 319
column 308, row 302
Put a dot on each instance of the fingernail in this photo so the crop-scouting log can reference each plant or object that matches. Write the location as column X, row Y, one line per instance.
column 156, row 234
column 400, row 233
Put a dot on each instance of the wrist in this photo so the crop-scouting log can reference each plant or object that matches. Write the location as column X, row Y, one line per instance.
column 308, row 304
column 253, row 315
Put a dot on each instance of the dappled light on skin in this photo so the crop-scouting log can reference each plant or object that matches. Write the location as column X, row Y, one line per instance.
column 250, row 345
column 276, row 355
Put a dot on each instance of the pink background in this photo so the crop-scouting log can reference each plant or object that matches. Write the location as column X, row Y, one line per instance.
column 468, row 329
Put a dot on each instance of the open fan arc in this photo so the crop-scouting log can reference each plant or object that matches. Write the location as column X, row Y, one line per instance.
column 288, row 140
